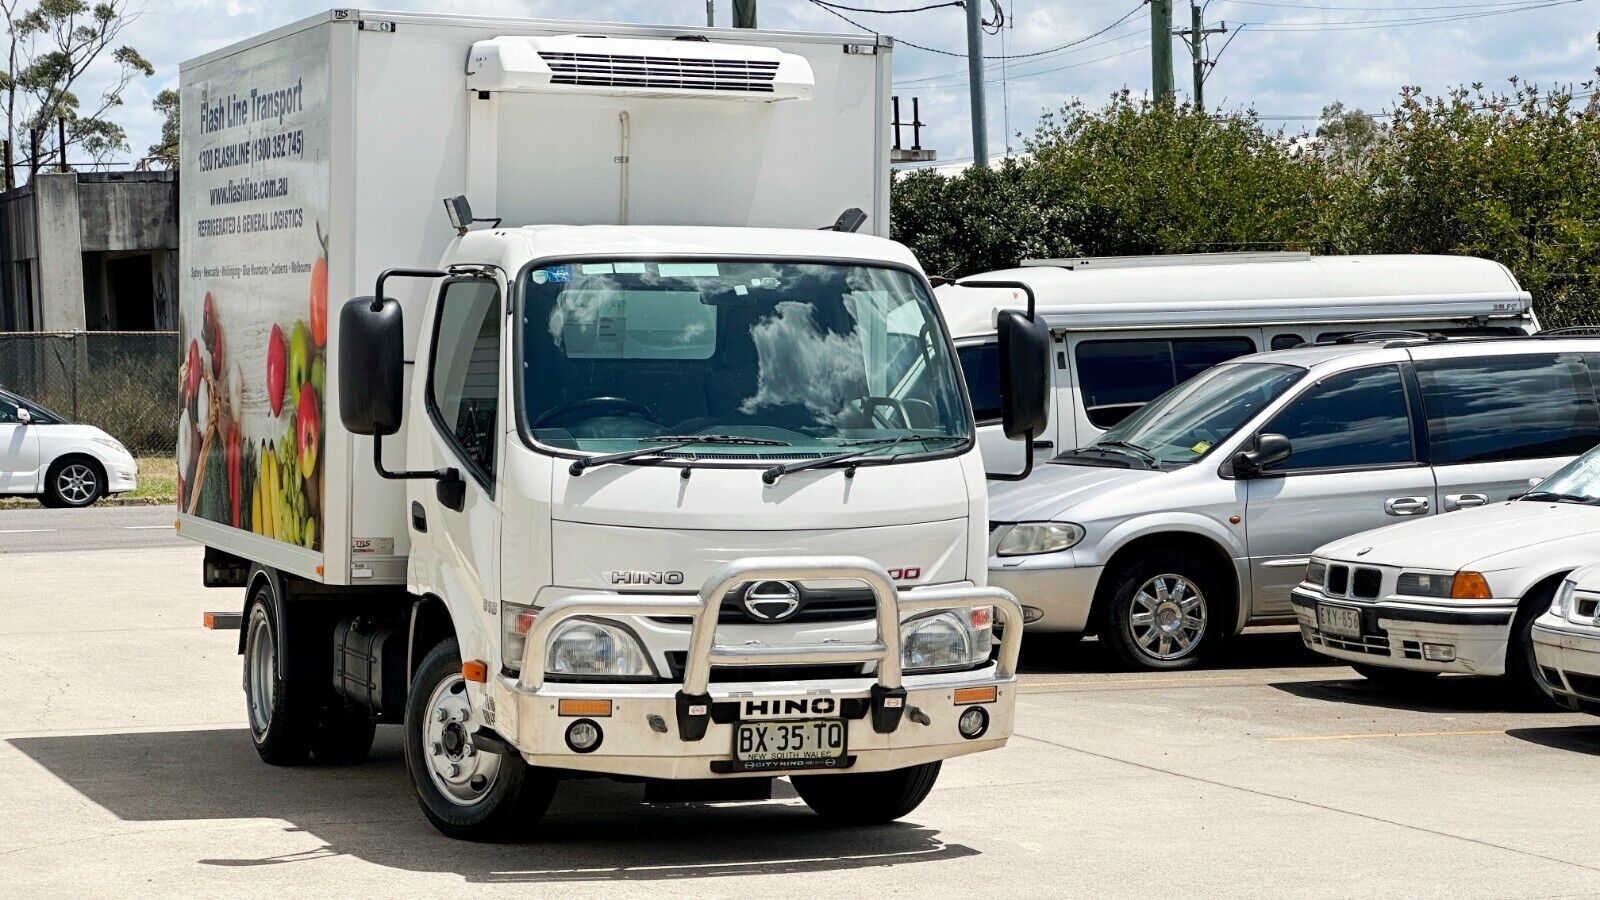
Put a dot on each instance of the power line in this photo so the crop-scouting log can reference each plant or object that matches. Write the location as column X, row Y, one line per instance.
column 1077, row 43
column 829, row 7
column 1405, row 8
column 924, row 81
column 887, row 12
column 1374, row 24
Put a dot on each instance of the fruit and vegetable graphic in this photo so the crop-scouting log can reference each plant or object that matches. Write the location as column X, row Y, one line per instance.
column 250, row 426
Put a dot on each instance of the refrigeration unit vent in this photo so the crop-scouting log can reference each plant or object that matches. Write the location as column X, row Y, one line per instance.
column 638, row 67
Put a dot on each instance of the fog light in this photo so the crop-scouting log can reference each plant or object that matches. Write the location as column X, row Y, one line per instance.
column 973, row 723
column 584, row 736
column 1439, row 652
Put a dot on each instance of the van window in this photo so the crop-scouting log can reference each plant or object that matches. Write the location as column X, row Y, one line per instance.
column 980, row 366
column 1508, row 407
column 1286, row 341
column 1348, row 420
column 1119, row 376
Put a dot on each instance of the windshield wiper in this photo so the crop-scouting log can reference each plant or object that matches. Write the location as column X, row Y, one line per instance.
column 863, row 448
column 679, row 441
column 1133, row 449
column 1559, row 498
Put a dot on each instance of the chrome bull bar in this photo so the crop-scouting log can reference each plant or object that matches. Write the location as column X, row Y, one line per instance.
column 693, row 698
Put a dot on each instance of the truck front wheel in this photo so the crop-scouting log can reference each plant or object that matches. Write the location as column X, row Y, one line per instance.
column 870, row 798
column 467, row 792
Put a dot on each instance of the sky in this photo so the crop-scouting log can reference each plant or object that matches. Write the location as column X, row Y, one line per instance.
column 1288, row 60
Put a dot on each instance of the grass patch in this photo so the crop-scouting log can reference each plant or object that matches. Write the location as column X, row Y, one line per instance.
column 158, row 479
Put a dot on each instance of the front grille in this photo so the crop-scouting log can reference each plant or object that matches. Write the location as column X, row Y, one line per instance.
column 676, row 660
column 747, row 76
column 816, row 605
column 1587, row 685
column 1586, row 607
column 1366, row 584
column 1375, row 644
column 1339, row 580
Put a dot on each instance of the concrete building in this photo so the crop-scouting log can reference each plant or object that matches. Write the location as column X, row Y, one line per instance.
column 90, row 251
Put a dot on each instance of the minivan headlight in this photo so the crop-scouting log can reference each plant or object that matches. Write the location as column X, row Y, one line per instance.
column 113, row 443
column 586, row 648
column 1028, row 538
column 1563, row 598
column 947, row 640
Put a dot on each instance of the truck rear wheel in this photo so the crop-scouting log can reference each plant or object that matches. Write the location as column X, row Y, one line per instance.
column 280, row 726
column 870, row 798
column 467, row 792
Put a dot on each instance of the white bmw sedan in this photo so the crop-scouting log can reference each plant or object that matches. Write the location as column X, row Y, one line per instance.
column 1457, row 592
column 63, row 463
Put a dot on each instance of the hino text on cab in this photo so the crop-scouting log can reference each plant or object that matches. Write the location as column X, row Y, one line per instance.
column 683, row 489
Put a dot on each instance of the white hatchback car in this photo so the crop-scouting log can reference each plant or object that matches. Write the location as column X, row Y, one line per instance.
column 61, row 462
column 1454, row 593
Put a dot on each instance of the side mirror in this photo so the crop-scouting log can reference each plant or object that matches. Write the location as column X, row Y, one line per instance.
column 371, row 366
column 23, row 416
column 1024, row 375
column 1270, row 450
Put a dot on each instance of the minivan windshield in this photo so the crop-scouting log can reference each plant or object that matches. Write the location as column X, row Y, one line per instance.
column 736, row 359
column 1576, row 482
column 1183, row 424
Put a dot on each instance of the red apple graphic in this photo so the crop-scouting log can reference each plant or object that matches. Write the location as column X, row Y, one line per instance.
column 275, row 369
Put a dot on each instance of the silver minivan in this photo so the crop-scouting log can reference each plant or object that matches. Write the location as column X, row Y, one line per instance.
column 1196, row 515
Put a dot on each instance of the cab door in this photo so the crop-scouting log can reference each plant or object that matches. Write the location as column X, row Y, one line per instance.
column 455, row 526
column 1354, row 466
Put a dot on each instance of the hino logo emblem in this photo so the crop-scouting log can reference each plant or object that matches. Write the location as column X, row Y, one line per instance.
column 626, row 577
column 772, row 601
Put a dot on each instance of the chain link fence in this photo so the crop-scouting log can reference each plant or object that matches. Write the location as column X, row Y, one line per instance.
column 125, row 382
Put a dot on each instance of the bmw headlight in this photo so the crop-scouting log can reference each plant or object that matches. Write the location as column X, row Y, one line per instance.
column 953, row 639
column 1028, row 538
column 585, row 648
column 1563, row 598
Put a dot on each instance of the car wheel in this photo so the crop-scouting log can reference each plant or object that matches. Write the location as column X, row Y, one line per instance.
column 1165, row 612
column 467, row 792
column 74, row 482
column 1522, row 668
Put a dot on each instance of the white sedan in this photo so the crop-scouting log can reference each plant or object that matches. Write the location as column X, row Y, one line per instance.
column 63, row 463
column 1566, row 642
column 1457, row 592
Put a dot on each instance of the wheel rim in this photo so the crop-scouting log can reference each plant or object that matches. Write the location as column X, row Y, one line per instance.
column 462, row 772
column 263, row 670
column 1168, row 617
column 77, row 483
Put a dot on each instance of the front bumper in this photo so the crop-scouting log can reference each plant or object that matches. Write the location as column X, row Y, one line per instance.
column 1569, row 661
column 121, row 478
column 1399, row 633
column 1053, row 584
column 687, row 730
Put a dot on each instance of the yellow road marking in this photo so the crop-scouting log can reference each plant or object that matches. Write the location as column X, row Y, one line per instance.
column 1386, row 734
column 1117, row 682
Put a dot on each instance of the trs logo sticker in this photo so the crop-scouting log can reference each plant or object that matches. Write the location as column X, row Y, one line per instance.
column 910, row 573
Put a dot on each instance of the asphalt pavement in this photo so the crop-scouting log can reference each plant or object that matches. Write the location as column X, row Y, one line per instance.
column 126, row 771
column 37, row 530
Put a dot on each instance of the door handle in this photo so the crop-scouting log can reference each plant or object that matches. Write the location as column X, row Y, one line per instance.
column 1464, row 501
column 1406, row 506
column 419, row 519
column 1044, row 445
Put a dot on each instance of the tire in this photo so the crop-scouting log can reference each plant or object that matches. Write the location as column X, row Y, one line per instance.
column 1165, row 611
column 1522, row 678
column 281, row 723
column 343, row 735
column 1393, row 677
column 74, row 482
column 870, row 798
column 512, row 796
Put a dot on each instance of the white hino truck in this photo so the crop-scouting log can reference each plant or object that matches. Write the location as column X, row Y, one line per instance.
column 644, row 455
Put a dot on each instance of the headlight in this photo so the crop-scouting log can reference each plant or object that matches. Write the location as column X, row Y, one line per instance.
column 515, row 622
column 1027, row 538
column 947, row 640
column 583, row 648
column 1563, row 600
column 1316, row 572
column 113, row 443
column 1423, row 584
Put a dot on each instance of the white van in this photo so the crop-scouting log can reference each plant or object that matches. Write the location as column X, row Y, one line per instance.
column 1126, row 329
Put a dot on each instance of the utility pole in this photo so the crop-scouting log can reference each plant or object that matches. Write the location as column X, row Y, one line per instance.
column 744, row 13
column 1195, row 37
column 980, row 115
column 711, row 13
column 1161, row 50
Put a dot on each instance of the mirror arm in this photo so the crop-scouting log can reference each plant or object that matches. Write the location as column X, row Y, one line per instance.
column 1014, row 285
column 1027, row 463
column 377, row 463
column 386, row 274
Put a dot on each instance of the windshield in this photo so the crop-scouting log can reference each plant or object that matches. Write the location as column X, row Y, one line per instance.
column 766, row 359
column 1578, row 481
column 1183, row 424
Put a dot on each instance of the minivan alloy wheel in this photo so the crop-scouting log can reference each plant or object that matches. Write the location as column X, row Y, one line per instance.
column 1168, row 617
column 77, row 483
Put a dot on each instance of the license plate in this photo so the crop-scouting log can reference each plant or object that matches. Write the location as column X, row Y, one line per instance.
column 789, row 744
column 1339, row 620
